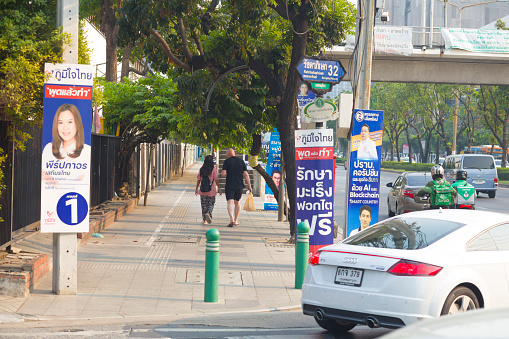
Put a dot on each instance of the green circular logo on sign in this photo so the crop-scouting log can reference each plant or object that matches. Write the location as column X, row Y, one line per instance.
column 319, row 102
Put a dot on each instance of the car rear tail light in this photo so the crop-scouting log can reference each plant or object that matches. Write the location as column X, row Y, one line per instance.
column 315, row 259
column 496, row 182
column 408, row 193
column 413, row 268
column 466, row 207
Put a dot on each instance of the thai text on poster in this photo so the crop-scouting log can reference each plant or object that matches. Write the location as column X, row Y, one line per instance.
column 314, row 165
column 364, row 166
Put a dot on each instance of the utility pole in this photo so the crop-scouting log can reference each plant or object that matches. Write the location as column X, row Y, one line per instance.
column 364, row 58
column 65, row 249
column 361, row 79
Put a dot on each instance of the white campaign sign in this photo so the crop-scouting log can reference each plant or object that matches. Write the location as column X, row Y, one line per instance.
column 388, row 40
column 476, row 40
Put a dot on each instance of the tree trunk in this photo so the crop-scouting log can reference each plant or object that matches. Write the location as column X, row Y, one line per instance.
column 409, row 145
column 110, row 30
column 397, row 148
column 437, row 158
column 126, row 54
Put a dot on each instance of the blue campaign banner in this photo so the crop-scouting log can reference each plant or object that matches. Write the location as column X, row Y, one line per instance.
column 66, row 136
column 314, row 171
column 273, row 169
column 364, row 170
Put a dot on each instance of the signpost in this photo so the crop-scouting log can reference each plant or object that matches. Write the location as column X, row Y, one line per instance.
column 321, row 70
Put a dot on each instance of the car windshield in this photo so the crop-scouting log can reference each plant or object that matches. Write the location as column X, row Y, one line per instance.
column 478, row 163
column 418, row 180
column 405, row 233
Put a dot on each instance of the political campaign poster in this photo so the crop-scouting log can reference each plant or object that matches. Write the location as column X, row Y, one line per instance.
column 273, row 169
column 364, row 167
column 66, row 137
column 305, row 96
column 314, row 169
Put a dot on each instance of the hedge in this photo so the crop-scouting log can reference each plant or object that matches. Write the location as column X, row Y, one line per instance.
column 503, row 173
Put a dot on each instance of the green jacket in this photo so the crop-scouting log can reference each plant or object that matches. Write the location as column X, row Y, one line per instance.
column 428, row 188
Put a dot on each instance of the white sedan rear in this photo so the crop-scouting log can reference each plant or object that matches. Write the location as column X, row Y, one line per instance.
column 411, row 267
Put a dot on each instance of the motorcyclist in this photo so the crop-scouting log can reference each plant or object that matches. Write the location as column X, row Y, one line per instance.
column 437, row 173
column 466, row 193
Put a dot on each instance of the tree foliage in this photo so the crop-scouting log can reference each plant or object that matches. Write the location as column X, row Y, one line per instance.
column 209, row 37
column 28, row 39
column 145, row 111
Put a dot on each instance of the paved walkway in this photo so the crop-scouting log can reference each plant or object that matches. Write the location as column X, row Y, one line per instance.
column 150, row 265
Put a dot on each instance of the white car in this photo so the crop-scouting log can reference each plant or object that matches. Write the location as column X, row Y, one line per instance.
column 477, row 324
column 410, row 267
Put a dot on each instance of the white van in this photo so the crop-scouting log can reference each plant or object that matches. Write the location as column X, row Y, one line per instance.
column 481, row 171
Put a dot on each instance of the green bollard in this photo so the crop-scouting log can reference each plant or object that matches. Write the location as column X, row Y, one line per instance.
column 301, row 253
column 211, row 265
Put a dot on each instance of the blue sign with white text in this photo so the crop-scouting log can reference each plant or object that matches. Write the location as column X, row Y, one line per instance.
column 321, row 70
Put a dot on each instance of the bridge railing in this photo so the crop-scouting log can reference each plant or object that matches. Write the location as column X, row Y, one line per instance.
column 424, row 36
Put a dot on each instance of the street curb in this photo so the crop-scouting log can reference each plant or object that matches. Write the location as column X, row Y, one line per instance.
column 34, row 321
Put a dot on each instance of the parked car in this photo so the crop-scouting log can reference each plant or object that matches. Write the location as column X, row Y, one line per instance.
column 482, row 173
column 411, row 267
column 498, row 163
column 476, row 324
column 403, row 197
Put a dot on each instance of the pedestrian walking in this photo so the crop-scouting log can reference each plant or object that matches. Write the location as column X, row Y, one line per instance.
column 235, row 170
column 206, row 178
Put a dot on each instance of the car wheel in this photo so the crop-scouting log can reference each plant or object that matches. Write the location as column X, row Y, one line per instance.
column 389, row 211
column 335, row 326
column 461, row 299
column 492, row 194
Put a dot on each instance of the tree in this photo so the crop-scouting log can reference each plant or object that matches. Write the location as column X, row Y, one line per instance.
column 493, row 102
column 269, row 37
column 144, row 110
column 384, row 97
column 29, row 38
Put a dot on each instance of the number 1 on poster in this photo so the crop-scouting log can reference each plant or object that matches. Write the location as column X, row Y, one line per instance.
column 74, row 209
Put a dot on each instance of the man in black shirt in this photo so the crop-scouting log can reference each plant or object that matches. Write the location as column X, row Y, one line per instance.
column 234, row 169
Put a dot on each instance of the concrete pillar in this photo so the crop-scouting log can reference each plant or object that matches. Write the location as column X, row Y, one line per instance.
column 65, row 247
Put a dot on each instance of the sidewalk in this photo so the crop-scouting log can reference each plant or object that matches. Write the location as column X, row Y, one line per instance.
column 150, row 265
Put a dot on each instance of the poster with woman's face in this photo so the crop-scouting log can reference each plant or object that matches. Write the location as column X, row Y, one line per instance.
column 66, row 137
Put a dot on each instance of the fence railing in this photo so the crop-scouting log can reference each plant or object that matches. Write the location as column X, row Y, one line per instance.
column 20, row 201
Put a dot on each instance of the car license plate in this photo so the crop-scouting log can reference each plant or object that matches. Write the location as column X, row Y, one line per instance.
column 349, row 276
column 478, row 181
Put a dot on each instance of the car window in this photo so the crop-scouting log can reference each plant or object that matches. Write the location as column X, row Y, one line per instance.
column 407, row 233
column 478, row 163
column 500, row 235
column 483, row 242
column 418, row 180
column 445, row 164
column 398, row 181
column 457, row 162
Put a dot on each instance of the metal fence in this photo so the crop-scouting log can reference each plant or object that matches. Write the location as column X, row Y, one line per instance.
column 20, row 202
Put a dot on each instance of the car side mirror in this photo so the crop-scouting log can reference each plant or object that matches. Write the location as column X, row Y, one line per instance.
column 389, row 184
